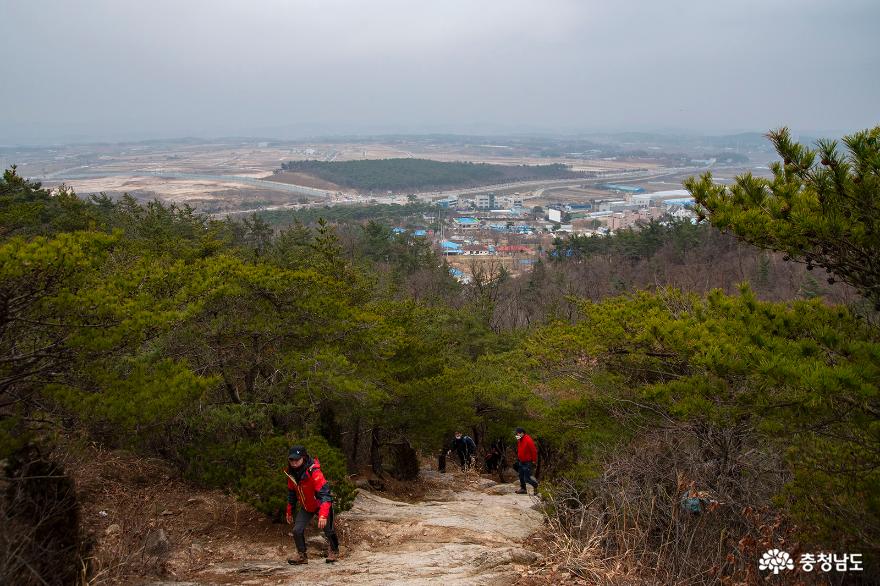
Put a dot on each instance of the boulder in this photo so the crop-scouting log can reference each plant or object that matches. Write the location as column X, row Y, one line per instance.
column 514, row 555
column 157, row 542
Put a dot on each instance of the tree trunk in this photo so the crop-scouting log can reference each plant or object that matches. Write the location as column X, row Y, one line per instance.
column 231, row 389
column 355, row 444
column 375, row 451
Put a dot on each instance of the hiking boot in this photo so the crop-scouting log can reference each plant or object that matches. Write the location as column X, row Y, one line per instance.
column 521, row 491
column 299, row 558
column 332, row 556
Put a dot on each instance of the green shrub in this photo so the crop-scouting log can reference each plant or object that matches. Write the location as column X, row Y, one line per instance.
column 253, row 469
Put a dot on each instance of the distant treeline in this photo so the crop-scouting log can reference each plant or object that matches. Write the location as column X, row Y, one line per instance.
column 421, row 174
column 347, row 213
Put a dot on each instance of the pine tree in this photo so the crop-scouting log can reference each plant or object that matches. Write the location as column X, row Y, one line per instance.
column 822, row 207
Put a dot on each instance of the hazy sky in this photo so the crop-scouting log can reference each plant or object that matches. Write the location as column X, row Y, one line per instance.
column 114, row 69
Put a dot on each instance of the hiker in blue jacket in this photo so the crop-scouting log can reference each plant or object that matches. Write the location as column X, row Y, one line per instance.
column 465, row 449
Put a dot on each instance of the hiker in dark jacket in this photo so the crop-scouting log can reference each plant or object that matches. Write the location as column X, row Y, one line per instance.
column 465, row 448
column 306, row 484
column 527, row 456
column 496, row 461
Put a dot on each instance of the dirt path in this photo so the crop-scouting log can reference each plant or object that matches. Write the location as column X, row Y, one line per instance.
column 467, row 536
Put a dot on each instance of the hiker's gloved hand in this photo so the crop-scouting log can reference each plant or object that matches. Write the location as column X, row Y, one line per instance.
column 289, row 518
column 322, row 522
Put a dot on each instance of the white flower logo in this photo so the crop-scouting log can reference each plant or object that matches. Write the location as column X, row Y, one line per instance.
column 775, row 559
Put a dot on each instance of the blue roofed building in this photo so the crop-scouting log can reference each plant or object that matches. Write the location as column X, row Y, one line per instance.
column 622, row 188
column 517, row 229
column 686, row 202
column 449, row 202
column 459, row 275
column 450, row 247
column 466, row 222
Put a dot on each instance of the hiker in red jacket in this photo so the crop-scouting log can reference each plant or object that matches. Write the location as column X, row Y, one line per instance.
column 306, row 484
column 527, row 455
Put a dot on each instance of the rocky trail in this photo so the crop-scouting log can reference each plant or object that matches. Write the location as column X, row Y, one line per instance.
column 468, row 536
column 151, row 527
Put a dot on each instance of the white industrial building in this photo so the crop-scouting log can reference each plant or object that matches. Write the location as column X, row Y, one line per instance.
column 485, row 201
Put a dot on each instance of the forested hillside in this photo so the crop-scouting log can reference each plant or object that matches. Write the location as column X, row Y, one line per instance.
column 653, row 367
column 422, row 174
column 350, row 213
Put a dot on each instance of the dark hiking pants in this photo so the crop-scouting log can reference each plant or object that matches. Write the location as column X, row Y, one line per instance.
column 525, row 475
column 303, row 518
column 464, row 458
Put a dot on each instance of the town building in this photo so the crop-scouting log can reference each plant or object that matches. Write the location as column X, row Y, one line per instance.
column 449, row 247
column 509, row 201
column 466, row 223
column 622, row 188
column 485, row 201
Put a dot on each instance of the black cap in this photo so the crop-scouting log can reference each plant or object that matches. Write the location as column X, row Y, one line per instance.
column 519, row 430
column 296, row 452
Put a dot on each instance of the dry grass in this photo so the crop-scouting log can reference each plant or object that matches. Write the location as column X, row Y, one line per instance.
column 303, row 179
column 124, row 498
column 630, row 526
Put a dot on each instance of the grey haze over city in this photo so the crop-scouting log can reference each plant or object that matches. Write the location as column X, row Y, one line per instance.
column 104, row 70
